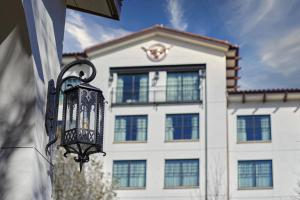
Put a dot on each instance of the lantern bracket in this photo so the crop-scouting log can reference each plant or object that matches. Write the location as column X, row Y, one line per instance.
column 53, row 101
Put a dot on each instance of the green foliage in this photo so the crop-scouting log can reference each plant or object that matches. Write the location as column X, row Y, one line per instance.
column 71, row 184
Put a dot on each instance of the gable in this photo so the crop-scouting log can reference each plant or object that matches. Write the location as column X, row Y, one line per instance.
column 230, row 51
column 159, row 31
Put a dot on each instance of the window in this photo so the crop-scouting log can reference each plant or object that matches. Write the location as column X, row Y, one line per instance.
column 182, row 127
column 255, row 174
column 131, row 128
column 132, row 88
column 183, row 86
column 129, row 173
column 253, row 128
column 181, row 173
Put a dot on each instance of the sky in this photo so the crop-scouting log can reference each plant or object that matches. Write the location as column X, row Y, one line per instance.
column 267, row 32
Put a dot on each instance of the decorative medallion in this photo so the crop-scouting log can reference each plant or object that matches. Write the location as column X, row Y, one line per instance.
column 157, row 52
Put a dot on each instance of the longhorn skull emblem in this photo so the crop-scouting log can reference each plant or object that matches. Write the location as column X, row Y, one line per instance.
column 157, row 52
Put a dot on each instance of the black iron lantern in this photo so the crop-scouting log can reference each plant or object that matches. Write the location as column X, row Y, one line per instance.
column 83, row 115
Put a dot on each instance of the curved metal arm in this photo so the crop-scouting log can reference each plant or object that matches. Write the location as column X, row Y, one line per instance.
column 59, row 83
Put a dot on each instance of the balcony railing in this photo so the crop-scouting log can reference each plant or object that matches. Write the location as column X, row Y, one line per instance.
column 156, row 95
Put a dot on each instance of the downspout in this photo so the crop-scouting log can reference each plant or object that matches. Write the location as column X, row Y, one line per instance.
column 227, row 149
column 204, row 76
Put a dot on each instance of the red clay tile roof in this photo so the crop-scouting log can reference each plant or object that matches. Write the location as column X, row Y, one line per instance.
column 260, row 91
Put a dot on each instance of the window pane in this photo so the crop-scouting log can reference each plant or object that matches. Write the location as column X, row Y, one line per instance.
column 181, row 173
column 172, row 173
column 255, row 174
column 195, row 126
column 182, row 127
column 265, row 127
column 71, row 111
column 120, row 89
column 190, row 86
column 131, row 128
column 137, row 174
column 241, row 129
column 178, row 127
column 120, row 129
column 257, row 128
column 132, row 88
column 246, row 174
column 253, row 128
column 264, row 174
column 120, row 173
column 250, row 128
column 183, row 86
column 142, row 88
column 141, row 128
column 174, row 91
column 190, row 173
column 129, row 173
column 128, row 88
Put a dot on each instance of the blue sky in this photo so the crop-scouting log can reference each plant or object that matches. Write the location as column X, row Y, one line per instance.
column 267, row 31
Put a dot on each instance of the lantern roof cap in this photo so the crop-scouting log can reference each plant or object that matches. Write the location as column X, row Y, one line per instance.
column 85, row 86
column 88, row 86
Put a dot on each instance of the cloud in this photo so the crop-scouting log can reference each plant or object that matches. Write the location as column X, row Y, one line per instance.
column 78, row 30
column 81, row 32
column 282, row 53
column 176, row 14
column 247, row 14
column 268, row 32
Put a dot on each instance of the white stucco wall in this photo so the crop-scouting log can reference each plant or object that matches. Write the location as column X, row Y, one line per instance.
column 156, row 150
column 283, row 149
column 31, row 47
column 221, row 116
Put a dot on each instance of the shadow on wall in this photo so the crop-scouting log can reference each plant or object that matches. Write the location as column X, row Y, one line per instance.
column 17, row 99
column 275, row 106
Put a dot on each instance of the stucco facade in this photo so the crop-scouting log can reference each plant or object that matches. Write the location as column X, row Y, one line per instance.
column 283, row 149
column 30, row 53
column 219, row 105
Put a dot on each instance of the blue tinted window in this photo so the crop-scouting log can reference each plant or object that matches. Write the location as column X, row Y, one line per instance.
column 132, row 88
column 182, row 127
column 180, row 173
column 254, row 128
column 255, row 174
column 129, row 173
column 182, row 86
column 131, row 128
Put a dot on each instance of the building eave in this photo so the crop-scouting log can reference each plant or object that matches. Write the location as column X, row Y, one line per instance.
column 264, row 95
column 104, row 8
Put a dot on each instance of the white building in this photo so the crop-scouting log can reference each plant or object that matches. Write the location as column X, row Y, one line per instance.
column 176, row 127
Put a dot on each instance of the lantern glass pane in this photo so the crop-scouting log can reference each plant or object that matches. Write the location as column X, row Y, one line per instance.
column 100, row 114
column 88, row 110
column 87, row 117
column 71, row 110
column 92, row 117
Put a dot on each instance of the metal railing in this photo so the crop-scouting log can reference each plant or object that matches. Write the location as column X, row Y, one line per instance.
column 156, row 95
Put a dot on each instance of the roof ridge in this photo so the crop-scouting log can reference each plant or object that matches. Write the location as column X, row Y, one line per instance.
column 265, row 90
column 153, row 28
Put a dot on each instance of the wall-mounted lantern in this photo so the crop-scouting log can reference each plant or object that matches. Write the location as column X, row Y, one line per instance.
column 83, row 115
